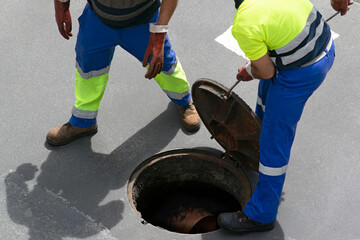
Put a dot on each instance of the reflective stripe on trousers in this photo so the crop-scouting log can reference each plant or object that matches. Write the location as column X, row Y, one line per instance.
column 284, row 96
column 94, row 52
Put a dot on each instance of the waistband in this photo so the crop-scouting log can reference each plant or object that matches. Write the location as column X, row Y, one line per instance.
column 321, row 55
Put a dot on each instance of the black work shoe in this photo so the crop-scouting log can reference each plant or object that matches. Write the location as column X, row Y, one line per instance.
column 239, row 222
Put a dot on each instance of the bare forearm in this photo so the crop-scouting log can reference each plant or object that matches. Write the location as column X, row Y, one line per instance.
column 261, row 74
column 263, row 68
column 166, row 11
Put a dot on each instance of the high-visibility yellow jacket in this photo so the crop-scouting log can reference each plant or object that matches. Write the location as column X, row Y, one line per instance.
column 292, row 32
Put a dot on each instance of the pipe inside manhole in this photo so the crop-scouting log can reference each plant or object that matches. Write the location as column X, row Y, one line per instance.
column 185, row 190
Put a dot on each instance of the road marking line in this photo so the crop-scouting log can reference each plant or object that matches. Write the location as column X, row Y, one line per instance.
column 228, row 41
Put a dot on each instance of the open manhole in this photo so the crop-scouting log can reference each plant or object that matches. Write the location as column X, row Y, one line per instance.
column 185, row 190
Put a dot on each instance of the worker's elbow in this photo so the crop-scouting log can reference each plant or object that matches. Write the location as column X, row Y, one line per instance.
column 265, row 74
column 263, row 71
column 268, row 75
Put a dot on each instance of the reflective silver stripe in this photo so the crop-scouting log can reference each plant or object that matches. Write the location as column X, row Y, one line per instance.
column 83, row 114
column 260, row 103
column 301, row 36
column 305, row 49
column 177, row 96
column 121, row 4
column 172, row 69
column 269, row 171
column 122, row 17
column 91, row 74
column 321, row 55
column 273, row 59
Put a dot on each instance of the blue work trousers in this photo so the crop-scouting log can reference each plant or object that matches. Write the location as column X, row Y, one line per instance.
column 95, row 48
column 281, row 101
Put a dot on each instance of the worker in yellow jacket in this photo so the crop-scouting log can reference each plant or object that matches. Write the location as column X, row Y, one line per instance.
column 291, row 50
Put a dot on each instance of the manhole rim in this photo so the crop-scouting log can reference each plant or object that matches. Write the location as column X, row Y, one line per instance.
column 213, row 158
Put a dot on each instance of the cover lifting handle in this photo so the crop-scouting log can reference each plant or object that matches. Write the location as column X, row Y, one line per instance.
column 233, row 86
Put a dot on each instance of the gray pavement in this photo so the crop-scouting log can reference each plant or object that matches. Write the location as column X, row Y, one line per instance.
column 79, row 191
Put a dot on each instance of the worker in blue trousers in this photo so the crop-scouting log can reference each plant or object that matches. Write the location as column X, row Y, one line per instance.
column 291, row 50
column 139, row 27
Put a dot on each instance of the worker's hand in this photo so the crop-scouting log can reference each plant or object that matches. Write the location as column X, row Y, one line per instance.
column 341, row 5
column 243, row 73
column 155, row 50
column 63, row 18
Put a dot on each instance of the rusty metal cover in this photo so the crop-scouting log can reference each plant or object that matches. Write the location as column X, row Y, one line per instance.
column 229, row 120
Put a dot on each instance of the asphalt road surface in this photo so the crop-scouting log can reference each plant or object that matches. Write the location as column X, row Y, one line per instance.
column 79, row 191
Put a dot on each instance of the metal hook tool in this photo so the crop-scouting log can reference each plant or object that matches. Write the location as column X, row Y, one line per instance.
column 358, row 1
column 332, row 16
column 233, row 86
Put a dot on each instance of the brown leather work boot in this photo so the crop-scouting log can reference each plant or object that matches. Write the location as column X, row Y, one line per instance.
column 67, row 133
column 189, row 117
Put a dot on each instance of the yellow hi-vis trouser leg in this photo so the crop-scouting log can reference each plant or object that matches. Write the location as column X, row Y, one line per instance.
column 175, row 84
column 89, row 93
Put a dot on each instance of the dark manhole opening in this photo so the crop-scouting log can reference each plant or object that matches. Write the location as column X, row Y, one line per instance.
column 185, row 190
column 186, row 207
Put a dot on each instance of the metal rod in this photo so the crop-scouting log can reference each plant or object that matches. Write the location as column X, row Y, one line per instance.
column 230, row 90
column 332, row 16
column 358, row 1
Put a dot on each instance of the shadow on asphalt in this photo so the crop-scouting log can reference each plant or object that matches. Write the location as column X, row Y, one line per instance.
column 66, row 200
